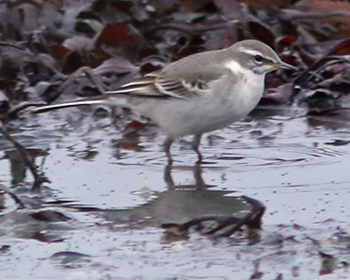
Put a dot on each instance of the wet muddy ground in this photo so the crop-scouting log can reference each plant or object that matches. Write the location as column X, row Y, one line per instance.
column 112, row 208
column 83, row 225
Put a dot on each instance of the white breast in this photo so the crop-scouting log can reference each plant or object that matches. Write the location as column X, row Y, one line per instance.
column 248, row 89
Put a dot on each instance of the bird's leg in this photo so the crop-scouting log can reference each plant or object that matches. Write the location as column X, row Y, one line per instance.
column 168, row 178
column 167, row 145
column 195, row 145
column 197, row 172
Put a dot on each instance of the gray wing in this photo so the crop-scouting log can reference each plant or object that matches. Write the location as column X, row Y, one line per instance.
column 162, row 84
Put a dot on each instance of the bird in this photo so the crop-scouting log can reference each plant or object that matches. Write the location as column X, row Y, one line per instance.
column 197, row 94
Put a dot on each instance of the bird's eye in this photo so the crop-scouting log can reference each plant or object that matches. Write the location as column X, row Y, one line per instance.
column 258, row 58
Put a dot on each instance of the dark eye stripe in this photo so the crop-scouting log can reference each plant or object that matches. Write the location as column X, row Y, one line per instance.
column 269, row 61
column 258, row 58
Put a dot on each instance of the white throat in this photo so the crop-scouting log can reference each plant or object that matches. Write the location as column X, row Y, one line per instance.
column 249, row 86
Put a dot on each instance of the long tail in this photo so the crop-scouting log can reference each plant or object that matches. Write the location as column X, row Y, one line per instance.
column 101, row 100
column 144, row 86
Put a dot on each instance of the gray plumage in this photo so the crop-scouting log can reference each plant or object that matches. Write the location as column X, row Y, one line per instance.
column 197, row 94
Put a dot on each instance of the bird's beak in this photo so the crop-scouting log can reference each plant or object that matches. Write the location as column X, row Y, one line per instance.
column 283, row 65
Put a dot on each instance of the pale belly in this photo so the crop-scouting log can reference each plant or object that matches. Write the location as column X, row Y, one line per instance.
column 180, row 117
column 230, row 102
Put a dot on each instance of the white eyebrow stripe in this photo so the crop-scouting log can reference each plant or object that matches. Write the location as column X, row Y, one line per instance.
column 252, row 52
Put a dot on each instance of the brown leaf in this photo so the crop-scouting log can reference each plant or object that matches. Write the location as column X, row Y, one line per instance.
column 342, row 48
column 115, row 34
column 59, row 50
column 261, row 33
column 324, row 26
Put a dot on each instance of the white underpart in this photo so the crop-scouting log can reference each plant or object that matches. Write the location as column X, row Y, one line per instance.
column 250, row 85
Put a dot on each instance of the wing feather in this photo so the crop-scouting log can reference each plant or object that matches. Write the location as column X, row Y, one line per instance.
column 158, row 84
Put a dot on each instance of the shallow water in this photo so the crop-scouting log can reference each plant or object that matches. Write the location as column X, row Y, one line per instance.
column 290, row 163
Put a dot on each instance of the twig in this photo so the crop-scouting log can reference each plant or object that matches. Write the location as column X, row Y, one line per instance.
column 3, row 44
column 292, row 15
column 39, row 179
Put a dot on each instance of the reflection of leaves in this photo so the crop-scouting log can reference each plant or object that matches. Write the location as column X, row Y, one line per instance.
column 22, row 225
column 50, row 216
column 329, row 118
column 338, row 142
column 39, row 178
column 328, row 263
column 19, row 166
column 88, row 154
column 68, row 259
column 4, row 249
column 279, row 95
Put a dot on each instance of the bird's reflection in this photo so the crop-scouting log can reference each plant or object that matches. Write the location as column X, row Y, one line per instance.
column 197, row 174
column 179, row 208
column 182, row 207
